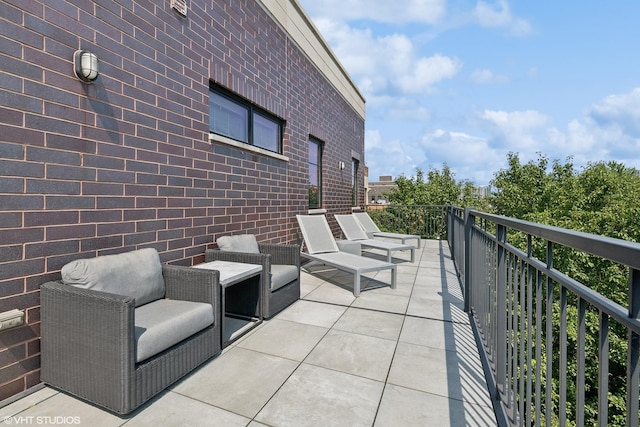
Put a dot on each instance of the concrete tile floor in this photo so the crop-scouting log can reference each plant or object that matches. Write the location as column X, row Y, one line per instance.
column 403, row 357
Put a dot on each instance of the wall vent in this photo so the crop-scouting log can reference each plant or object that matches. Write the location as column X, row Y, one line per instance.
column 180, row 6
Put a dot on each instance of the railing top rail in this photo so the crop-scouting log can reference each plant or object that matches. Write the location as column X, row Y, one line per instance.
column 617, row 250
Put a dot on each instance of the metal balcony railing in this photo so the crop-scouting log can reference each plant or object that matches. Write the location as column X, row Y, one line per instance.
column 556, row 352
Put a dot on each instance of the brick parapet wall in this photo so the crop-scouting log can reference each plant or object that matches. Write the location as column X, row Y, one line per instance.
column 126, row 163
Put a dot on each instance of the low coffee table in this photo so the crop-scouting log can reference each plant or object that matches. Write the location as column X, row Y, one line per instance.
column 240, row 297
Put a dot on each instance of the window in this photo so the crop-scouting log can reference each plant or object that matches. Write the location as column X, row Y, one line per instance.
column 315, row 174
column 238, row 119
column 354, row 182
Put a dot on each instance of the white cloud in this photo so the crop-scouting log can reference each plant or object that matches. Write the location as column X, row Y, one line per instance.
column 519, row 130
column 499, row 16
column 486, row 76
column 426, row 72
column 398, row 11
column 379, row 64
column 619, row 111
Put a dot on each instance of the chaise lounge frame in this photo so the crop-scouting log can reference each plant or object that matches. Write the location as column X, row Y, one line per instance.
column 322, row 248
column 372, row 229
column 354, row 232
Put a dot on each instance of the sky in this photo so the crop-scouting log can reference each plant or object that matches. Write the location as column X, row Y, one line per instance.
column 465, row 82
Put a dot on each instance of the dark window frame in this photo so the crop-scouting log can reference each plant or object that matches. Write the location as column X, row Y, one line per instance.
column 251, row 111
column 355, row 165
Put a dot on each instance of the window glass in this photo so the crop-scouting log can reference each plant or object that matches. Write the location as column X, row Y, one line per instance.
column 315, row 177
column 266, row 133
column 228, row 118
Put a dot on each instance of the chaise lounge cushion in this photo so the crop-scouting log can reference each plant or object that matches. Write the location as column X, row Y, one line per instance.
column 164, row 323
column 137, row 274
column 246, row 243
column 282, row 275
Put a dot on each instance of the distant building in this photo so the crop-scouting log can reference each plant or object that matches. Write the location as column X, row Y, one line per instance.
column 482, row 190
column 377, row 190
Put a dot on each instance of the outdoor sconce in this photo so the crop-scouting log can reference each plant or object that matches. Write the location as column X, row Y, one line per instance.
column 341, row 165
column 85, row 65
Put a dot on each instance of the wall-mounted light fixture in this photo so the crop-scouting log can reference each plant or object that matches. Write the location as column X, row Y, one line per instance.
column 85, row 65
column 341, row 165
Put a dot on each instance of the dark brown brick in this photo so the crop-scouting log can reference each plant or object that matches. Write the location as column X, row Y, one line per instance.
column 71, row 232
column 11, row 388
column 35, row 250
column 21, row 268
column 21, row 135
column 70, row 202
column 11, row 185
column 39, row 154
column 70, row 143
column 71, row 172
column 41, row 186
column 33, row 219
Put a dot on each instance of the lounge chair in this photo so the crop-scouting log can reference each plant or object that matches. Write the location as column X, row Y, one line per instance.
column 372, row 229
column 354, row 232
column 322, row 247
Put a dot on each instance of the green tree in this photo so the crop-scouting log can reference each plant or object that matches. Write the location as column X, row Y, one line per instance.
column 440, row 188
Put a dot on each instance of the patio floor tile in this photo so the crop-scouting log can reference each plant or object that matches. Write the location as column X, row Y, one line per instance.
column 313, row 313
column 331, row 294
column 291, row 340
column 401, row 406
column 355, row 354
column 63, row 409
column 316, row 396
column 175, row 410
column 372, row 323
column 382, row 301
column 441, row 372
column 240, row 381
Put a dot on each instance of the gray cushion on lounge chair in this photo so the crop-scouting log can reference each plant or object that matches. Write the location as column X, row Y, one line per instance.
column 241, row 243
column 282, row 275
column 137, row 274
column 163, row 323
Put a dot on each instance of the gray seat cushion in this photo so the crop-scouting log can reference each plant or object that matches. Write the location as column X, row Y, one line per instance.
column 282, row 275
column 137, row 274
column 241, row 243
column 163, row 323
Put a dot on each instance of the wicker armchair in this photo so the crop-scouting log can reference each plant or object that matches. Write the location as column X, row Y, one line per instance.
column 89, row 340
column 275, row 296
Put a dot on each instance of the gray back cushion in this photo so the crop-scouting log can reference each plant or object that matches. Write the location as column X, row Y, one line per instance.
column 137, row 274
column 241, row 243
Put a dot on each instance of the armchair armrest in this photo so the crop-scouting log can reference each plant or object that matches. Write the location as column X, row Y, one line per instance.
column 281, row 254
column 249, row 258
column 191, row 284
column 87, row 338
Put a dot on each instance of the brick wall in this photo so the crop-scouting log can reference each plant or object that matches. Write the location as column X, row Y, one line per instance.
column 126, row 162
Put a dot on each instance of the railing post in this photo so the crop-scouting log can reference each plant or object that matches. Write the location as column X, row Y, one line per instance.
column 450, row 231
column 469, row 223
column 633, row 353
column 501, row 313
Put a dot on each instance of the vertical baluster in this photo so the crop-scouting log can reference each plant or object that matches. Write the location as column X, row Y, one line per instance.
column 603, row 373
column 562, row 405
column 501, row 313
column 633, row 354
column 580, row 355
column 549, row 339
